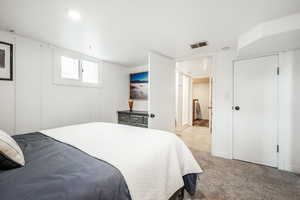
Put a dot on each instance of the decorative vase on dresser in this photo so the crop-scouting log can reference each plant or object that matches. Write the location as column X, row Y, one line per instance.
column 130, row 104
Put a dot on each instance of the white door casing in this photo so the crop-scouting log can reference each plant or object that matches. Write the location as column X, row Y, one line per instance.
column 255, row 123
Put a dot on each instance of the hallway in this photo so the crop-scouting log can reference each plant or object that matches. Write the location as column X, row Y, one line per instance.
column 197, row 138
column 201, row 122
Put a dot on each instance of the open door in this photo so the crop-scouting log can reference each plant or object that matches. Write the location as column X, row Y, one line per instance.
column 161, row 102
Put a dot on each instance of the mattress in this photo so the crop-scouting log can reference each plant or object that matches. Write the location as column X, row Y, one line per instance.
column 152, row 161
column 55, row 170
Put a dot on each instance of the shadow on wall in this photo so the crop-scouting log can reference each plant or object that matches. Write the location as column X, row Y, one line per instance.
column 295, row 115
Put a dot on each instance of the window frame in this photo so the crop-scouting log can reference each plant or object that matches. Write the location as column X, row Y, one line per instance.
column 59, row 80
column 81, row 62
column 78, row 69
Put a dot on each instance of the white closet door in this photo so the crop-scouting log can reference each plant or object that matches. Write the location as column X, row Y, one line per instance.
column 255, row 111
column 161, row 103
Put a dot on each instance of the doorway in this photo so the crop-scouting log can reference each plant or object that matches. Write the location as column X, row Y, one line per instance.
column 194, row 102
column 201, row 102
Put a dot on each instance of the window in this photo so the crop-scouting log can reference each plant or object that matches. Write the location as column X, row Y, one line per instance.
column 69, row 68
column 77, row 70
column 89, row 72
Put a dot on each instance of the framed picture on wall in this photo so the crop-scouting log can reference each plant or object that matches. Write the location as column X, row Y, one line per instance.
column 139, row 86
column 6, row 61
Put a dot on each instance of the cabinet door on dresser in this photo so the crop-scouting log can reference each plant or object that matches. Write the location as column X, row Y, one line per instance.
column 122, row 117
column 137, row 119
column 134, row 118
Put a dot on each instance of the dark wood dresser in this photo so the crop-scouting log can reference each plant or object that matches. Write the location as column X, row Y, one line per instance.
column 133, row 118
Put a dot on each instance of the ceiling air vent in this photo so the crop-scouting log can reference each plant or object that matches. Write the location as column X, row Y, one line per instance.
column 199, row 44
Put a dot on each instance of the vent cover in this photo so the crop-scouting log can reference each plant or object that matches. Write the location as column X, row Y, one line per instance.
column 198, row 44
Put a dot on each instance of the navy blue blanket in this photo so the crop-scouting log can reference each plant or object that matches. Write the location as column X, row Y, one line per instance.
column 55, row 170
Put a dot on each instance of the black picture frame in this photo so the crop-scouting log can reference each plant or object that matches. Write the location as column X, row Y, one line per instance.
column 10, row 61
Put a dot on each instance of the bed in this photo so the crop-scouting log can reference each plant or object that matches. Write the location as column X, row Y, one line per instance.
column 100, row 161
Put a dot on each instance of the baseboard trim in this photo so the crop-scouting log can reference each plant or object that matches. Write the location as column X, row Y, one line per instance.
column 222, row 155
column 291, row 168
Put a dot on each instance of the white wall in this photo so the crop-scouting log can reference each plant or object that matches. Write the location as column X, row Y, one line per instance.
column 41, row 104
column 196, row 67
column 28, row 85
column 178, row 82
column 289, row 111
column 7, row 95
column 138, row 104
column 115, row 92
column 201, row 92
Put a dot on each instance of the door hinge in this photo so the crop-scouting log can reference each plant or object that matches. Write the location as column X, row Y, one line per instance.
column 277, row 148
column 278, row 71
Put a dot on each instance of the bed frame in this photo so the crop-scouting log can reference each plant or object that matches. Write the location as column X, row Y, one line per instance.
column 179, row 195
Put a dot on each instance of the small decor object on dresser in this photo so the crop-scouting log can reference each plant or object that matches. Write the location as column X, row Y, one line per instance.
column 130, row 104
column 139, row 86
column 6, row 61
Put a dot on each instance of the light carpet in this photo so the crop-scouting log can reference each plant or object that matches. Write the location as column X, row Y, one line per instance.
column 235, row 180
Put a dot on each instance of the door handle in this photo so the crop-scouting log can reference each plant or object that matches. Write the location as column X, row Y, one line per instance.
column 237, row 108
column 152, row 115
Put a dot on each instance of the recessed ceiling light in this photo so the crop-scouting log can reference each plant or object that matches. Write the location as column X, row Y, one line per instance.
column 74, row 15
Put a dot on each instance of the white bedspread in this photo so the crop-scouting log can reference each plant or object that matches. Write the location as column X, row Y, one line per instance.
column 151, row 161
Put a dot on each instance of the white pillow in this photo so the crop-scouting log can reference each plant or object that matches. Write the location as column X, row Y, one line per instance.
column 11, row 155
